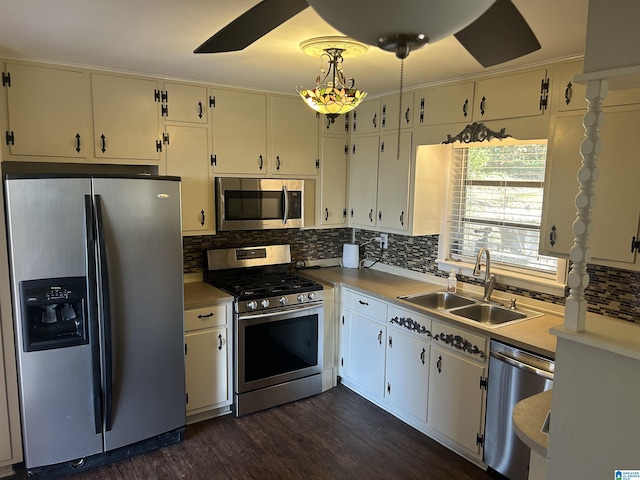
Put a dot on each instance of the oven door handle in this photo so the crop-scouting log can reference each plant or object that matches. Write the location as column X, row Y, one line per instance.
column 285, row 215
column 252, row 316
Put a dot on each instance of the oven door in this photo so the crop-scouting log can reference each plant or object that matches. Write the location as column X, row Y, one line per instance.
column 277, row 347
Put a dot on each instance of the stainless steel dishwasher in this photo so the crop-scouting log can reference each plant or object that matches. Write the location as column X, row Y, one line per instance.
column 514, row 374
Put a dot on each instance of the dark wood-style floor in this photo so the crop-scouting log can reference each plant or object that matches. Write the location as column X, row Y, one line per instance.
column 335, row 435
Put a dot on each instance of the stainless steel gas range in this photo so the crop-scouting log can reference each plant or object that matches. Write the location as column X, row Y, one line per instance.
column 278, row 325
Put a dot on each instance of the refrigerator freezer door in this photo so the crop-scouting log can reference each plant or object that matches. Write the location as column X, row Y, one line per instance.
column 143, row 243
column 46, row 230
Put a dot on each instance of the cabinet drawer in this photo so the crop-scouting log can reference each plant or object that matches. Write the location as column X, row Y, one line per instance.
column 206, row 317
column 461, row 341
column 366, row 306
column 409, row 322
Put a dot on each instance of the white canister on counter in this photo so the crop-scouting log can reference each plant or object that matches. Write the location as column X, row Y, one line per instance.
column 350, row 255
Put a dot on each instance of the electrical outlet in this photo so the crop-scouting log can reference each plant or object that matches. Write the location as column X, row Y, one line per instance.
column 384, row 241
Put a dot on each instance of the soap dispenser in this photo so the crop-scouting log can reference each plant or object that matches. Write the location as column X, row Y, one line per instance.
column 452, row 282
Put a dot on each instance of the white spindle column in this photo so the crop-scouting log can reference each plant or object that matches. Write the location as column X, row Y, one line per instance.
column 576, row 304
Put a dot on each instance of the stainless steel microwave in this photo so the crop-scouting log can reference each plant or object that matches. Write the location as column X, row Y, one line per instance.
column 259, row 203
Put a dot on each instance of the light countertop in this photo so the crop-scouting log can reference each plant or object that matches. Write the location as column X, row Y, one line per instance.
column 532, row 334
column 201, row 294
column 528, row 418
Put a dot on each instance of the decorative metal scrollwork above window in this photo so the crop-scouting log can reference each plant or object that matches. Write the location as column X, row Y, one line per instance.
column 411, row 324
column 476, row 132
column 456, row 341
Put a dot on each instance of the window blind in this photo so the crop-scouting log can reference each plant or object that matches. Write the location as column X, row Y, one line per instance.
column 496, row 202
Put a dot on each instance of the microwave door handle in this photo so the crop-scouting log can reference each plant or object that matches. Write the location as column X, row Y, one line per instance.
column 285, row 217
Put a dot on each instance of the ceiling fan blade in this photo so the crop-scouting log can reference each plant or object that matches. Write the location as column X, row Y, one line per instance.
column 252, row 25
column 498, row 35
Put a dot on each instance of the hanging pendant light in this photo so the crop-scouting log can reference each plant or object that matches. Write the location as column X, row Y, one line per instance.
column 333, row 95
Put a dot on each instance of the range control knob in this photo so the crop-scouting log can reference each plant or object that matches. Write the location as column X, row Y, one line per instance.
column 264, row 303
column 300, row 298
column 311, row 296
column 282, row 300
column 252, row 305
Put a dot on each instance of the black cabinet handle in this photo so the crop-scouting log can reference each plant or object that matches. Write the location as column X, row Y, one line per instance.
column 552, row 235
column 406, row 115
column 326, row 214
column 78, row 142
column 422, row 356
column 208, row 315
column 277, row 162
column 402, row 218
column 203, row 218
column 200, row 110
column 439, row 364
column 388, row 388
column 375, row 120
column 371, row 215
column 261, row 162
column 465, row 107
column 380, row 337
column 220, row 341
column 104, row 143
column 482, row 105
column 568, row 93
column 362, row 303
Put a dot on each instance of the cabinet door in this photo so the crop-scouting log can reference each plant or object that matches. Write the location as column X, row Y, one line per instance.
column 239, row 128
column 363, row 181
column 294, row 137
column 447, row 104
column 186, row 103
column 365, row 118
column 333, row 171
column 456, row 400
column 126, row 117
column 615, row 215
column 365, row 356
column 47, row 109
column 394, row 115
column 393, row 181
column 572, row 95
column 206, row 369
column 510, row 96
column 187, row 154
column 407, row 382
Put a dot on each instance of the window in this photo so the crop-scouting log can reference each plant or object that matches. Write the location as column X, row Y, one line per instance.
column 496, row 202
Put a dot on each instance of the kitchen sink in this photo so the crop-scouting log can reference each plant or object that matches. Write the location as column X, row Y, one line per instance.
column 438, row 300
column 491, row 314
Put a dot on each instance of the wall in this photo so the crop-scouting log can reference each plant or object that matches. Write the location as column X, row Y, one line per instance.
column 611, row 292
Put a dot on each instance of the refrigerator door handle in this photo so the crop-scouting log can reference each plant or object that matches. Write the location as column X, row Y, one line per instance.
column 106, row 316
column 92, row 309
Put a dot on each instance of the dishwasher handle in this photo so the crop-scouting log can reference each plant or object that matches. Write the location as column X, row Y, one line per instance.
column 523, row 366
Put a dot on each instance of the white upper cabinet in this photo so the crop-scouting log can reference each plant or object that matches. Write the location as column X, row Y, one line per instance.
column 516, row 95
column 365, row 118
column 47, row 110
column 446, row 104
column 187, row 154
column 126, row 118
column 333, row 182
column 394, row 115
column 363, row 181
column 239, row 129
column 294, row 137
column 394, row 163
column 185, row 103
column 339, row 125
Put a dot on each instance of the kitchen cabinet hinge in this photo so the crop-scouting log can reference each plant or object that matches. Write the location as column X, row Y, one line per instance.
column 185, row 348
column 341, row 361
column 6, row 79
column 212, row 101
column 158, row 146
column 186, row 397
column 344, row 213
column 9, row 137
column 346, row 123
column 484, row 382
column 381, row 147
column 164, row 110
column 317, row 163
column 164, row 96
column 346, row 149
column 635, row 243
column 165, row 138
column 480, row 440
column 214, row 160
column 544, row 94
column 391, row 341
column 156, row 96
column 353, row 149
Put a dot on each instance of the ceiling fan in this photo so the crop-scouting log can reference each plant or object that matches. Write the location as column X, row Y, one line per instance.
column 492, row 31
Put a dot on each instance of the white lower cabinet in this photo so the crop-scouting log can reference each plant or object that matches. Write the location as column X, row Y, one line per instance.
column 457, row 386
column 207, row 360
column 428, row 373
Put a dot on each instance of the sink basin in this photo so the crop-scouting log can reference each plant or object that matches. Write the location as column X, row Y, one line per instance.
column 438, row 300
column 491, row 314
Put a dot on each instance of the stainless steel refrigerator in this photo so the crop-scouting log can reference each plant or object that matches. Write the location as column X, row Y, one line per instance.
column 96, row 273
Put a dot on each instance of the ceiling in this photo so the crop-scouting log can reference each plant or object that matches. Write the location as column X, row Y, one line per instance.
column 157, row 37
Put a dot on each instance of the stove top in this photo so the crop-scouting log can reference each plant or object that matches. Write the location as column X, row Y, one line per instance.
column 256, row 285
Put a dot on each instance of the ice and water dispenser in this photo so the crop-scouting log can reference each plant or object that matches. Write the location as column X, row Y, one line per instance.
column 54, row 313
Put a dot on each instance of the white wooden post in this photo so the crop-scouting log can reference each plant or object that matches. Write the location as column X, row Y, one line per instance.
column 576, row 304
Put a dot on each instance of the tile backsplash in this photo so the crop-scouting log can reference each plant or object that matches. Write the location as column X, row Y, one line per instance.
column 611, row 292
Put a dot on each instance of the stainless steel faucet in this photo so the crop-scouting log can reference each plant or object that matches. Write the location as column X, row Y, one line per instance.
column 489, row 278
